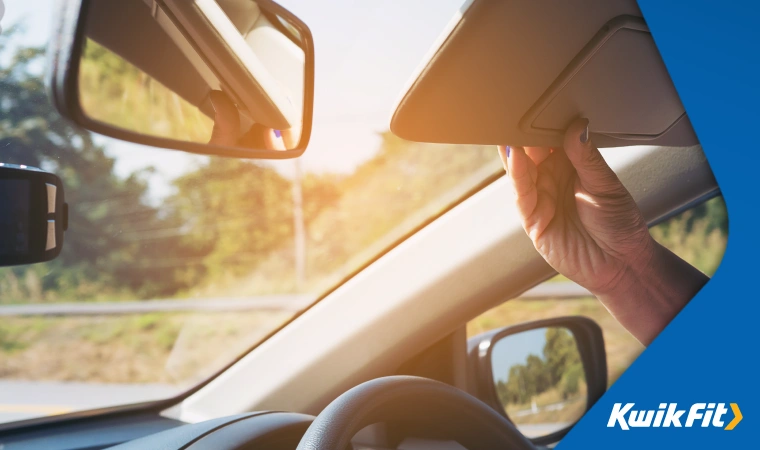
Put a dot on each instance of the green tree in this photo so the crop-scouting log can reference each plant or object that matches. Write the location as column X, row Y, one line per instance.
column 104, row 254
column 32, row 133
column 518, row 387
column 698, row 235
column 571, row 380
column 560, row 352
column 233, row 212
column 400, row 187
column 115, row 92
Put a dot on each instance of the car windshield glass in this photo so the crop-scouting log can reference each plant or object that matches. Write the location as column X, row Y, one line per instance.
column 175, row 264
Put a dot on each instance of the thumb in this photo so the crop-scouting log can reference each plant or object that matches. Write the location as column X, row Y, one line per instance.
column 226, row 129
column 594, row 173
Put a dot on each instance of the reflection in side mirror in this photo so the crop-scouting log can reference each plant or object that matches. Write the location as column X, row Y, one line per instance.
column 227, row 77
column 539, row 380
column 542, row 375
column 34, row 215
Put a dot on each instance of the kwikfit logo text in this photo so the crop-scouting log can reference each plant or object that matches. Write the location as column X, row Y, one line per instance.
column 667, row 415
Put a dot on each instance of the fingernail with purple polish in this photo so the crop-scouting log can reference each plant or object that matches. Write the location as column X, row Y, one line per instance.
column 584, row 135
column 277, row 133
column 507, row 150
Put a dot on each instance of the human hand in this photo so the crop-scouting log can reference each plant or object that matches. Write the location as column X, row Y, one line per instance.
column 576, row 211
column 586, row 225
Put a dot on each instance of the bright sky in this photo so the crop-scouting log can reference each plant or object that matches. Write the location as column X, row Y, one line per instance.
column 365, row 53
column 515, row 349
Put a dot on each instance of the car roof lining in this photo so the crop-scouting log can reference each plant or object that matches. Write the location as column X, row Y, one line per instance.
column 518, row 72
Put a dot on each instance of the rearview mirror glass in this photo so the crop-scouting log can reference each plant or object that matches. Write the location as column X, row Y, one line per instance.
column 539, row 379
column 228, row 77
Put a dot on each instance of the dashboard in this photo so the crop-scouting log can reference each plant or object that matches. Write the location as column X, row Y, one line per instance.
column 271, row 430
column 91, row 433
column 257, row 430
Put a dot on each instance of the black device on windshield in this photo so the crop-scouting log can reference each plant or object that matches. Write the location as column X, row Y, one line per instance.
column 33, row 215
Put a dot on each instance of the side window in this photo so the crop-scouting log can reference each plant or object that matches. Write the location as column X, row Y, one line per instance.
column 698, row 235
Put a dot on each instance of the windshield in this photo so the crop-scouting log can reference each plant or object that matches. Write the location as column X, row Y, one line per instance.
column 175, row 264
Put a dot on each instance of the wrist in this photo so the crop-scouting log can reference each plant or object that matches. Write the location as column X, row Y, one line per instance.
column 636, row 265
column 652, row 291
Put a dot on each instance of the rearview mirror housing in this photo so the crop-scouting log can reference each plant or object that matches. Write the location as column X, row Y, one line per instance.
column 542, row 375
column 216, row 77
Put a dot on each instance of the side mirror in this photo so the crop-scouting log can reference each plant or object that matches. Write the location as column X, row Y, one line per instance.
column 33, row 215
column 543, row 375
column 219, row 77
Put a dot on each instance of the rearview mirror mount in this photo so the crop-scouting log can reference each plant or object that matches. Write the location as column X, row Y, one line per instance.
column 33, row 215
column 218, row 77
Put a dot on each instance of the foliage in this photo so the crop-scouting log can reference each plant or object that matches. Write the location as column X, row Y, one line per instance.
column 402, row 186
column 561, row 354
column 115, row 92
column 559, row 367
column 230, row 222
column 32, row 133
column 169, row 348
column 224, row 217
column 698, row 235
column 235, row 210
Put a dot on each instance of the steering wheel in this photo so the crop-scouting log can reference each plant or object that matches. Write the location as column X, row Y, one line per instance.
column 461, row 416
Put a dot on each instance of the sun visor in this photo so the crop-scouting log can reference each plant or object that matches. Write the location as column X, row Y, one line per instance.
column 518, row 72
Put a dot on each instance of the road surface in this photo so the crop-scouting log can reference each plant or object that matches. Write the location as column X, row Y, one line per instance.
column 222, row 304
column 542, row 429
column 225, row 304
column 26, row 399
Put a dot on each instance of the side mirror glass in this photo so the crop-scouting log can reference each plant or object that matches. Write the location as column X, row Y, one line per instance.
column 33, row 215
column 544, row 375
column 221, row 77
column 539, row 379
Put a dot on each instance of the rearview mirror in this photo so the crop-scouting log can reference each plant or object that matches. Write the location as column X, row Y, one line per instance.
column 221, row 77
column 543, row 375
column 33, row 215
